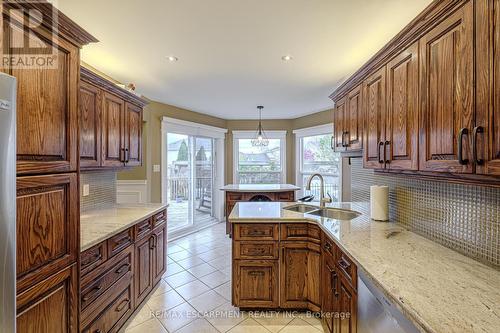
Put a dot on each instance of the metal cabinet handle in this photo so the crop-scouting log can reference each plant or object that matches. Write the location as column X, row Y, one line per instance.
column 151, row 243
column 256, row 273
column 91, row 293
column 380, row 160
column 334, row 283
column 96, row 257
column 122, row 155
column 346, row 142
column 122, row 268
column 327, row 247
column 127, row 155
column 387, row 144
column 344, row 264
column 332, row 144
column 122, row 305
column 475, row 132
column 461, row 159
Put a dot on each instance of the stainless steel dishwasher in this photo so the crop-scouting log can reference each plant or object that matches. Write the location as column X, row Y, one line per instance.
column 376, row 314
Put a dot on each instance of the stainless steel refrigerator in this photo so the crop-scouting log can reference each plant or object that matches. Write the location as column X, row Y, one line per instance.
column 7, row 203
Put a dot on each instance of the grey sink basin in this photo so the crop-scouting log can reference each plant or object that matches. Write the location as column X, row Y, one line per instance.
column 300, row 208
column 335, row 213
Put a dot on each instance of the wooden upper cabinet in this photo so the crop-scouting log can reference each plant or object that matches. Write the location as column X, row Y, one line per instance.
column 47, row 226
column 113, row 136
column 486, row 134
column 375, row 115
column 90, row 125
column 401, row 134
column 133, row 135
column 447, row 94
column 353, row 122
column 338, row 125
column 46, row 104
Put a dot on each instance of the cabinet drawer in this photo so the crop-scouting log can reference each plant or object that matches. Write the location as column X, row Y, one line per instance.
column 119, row 242
column 92, row 258
column 121, row 266
column 113, row 315
column 328, row 247
column 256, row 231
column 285, row 196
column 159, row 218
column 347, row 268
column 300, row 231
column 142, row 229
column 255, row 250
column 234, row 196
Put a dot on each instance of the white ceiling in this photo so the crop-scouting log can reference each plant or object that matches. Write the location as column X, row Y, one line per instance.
column 230, row 50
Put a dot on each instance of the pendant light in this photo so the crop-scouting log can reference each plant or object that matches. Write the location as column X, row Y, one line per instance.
column 260, row 137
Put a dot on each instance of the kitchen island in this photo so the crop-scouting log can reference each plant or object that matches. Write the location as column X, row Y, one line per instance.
column 256, row 192
column 289, row 259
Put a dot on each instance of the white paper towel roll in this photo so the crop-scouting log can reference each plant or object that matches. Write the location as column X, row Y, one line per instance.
column 379, row 203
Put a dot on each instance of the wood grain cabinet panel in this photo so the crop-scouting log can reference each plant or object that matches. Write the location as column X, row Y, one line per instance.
column 354, row 120
column 90, row 125
column 339, row 121
column 51, row 305
column 375, row 115
column 159, row 254
column 486, row 133
column 447, row 94
column 256, row 283
column 113, row 136
column 348, row 307
column 47, row 226
column 143, row 269
column 133, row 135
column 46, row 109
column 401, row 122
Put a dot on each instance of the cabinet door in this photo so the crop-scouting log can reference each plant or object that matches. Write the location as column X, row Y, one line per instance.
column 159, row 255
column 143, row 268
column 348, row 307
column 488, row 88
column 293, row 275
column 47, row 110
column 354, row 120
column 90, row 125
column 255, row 284
column 51, row 305
column 328, row 296
column 375, row 115
column 47, row 226
column 133, row 135
column 339, row 125
column 113, row 147
column 402, row 111
column 447, row 94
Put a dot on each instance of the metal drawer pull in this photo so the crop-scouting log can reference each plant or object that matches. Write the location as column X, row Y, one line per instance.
column 122, row 305
column 334, row 283
column 387, row 160
column 91, row 293
column 144, row 227
column 380, row 160
column 123, row 240
column 96, row 257
column 122, row 268
column 327, row 247
column 256, row 233
column 344, row 264
column 256, row 273
column 461, row 133
column 475, row 131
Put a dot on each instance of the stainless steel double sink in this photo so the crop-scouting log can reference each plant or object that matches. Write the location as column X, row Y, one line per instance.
column 328, row 212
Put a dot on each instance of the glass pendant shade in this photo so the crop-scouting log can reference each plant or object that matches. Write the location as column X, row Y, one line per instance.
column 260, row 139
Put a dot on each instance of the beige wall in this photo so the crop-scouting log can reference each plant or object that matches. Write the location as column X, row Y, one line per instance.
column 152, row 140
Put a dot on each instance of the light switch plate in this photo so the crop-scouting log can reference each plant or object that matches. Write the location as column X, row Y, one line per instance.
column 156, row 168
column 86, row 190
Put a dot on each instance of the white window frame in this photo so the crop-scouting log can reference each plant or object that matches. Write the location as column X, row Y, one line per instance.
column 301, row 133
column 250, row 135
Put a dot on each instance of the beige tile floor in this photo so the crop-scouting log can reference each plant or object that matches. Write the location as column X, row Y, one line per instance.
column 194, row 295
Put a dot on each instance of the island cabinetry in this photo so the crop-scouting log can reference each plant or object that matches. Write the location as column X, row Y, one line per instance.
column 119, row 272
column 276, row 266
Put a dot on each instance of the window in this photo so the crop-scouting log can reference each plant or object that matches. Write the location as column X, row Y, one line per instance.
column 315, row 155
column 259, row 165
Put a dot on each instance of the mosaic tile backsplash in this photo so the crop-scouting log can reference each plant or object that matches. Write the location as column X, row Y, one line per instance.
column 102, row 190
column 465, row 218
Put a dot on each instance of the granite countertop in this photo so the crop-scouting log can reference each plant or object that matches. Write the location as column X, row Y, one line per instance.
column 260, row 188
column 101, row 224
column 440, row 290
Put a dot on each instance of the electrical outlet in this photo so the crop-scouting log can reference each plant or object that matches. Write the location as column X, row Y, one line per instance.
column 156, row 168
column 86, row 190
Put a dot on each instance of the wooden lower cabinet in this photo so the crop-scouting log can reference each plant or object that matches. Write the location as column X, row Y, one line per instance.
column 347, row 306
column 256, row 283
column 120, row 272
column 51, row 305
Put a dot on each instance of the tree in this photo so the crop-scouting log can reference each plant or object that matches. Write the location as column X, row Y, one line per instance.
column 201, row 155
column 183, row 152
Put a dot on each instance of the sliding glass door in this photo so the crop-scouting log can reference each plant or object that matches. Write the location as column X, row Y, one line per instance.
column 190, row 180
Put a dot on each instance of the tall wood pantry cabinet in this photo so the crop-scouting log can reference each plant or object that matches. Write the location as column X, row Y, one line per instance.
column 47, row 167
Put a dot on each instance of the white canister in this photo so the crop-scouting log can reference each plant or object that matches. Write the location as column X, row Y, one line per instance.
column 379, row 203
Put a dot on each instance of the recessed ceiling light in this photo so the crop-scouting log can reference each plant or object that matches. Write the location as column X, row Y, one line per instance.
column 286, row 57
column 172, row 58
